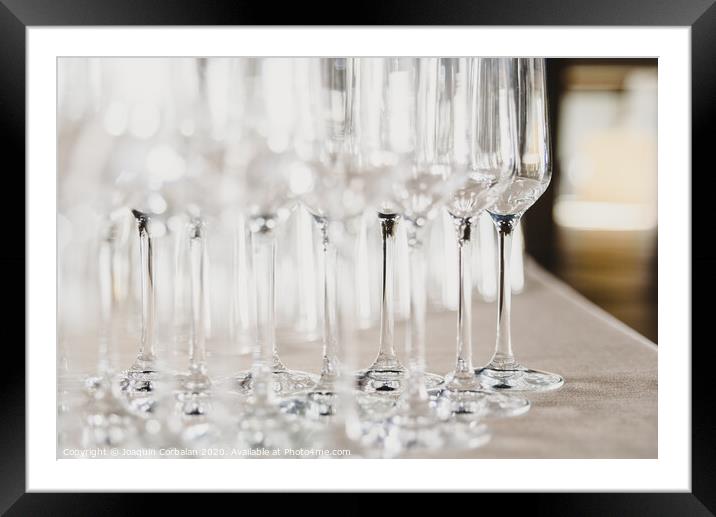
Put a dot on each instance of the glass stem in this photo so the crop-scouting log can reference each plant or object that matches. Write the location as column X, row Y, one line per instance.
column 264, row 253
column 386, row 355
column 463, row 367
column 148, row 330
column 235, row 311
column 197, row 343
column 329, row 368
column 415, row 343
column 106, row 281
column 503, row 357
column 240, row 314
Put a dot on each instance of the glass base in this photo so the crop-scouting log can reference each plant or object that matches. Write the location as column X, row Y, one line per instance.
column 464, row 399
column 196, row 420
column 194, row 383
column 414, row 432
column 138, row 384
column 517, row 378
column 106, row 422
column 139, row 377
column 319, row 405
column 359, row 418
column 93, row 383
column 322, row 405
column 286, row 383
column 193, row 404
column 391, row 381
column 265, row 427
column 425, row 432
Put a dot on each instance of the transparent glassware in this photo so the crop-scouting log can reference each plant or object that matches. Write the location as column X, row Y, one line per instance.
column 271, row 182
column 335, row 199
column 358, row 420
column 194, row 390
column 324, row 196
column 532, row 177
column 105, row 420
column 484, row 152
column 137, row 382
column 417, row 426
column 111, row 234
column 261, row 422
column 382, row 100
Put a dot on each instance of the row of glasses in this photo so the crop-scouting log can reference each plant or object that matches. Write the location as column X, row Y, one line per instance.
column 488, row 167
column 463, row 155
column 418, row 190
column 404, row 117
column 407, row 136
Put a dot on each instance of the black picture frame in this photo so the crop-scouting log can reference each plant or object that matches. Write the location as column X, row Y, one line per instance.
column 17, row 15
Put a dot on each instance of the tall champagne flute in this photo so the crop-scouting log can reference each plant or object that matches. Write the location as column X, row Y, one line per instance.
column 533, row 174
column 138, row 381
column 105, row 420
column 261, row 422
column 113, row 233
column 332, row 199
column 195, row 385
column 382, row 123
column 485, row 153
column 420, row 191
column 269, row 183
column 372, row 154
column 325, row 200
column 196, row 414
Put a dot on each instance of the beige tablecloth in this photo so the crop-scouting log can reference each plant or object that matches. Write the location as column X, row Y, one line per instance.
column 608, row 405
column 606, row 409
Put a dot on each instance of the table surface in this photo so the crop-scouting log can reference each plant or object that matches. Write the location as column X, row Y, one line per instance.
column 607, row 407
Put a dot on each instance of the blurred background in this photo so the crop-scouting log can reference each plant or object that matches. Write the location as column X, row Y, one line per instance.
column 595, row 227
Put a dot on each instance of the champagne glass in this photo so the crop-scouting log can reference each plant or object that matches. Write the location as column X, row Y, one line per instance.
column 331, row 199
column 419, row 190
column 106, row 422
column 533, row 174
column 195, row 385
column 441, row 87
column 270, row 183
column 336, row 198
column 192, row 413
column 138, row 381
column 261, row 422
column 382, row 123
column 485, row 154
column 112, row 234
